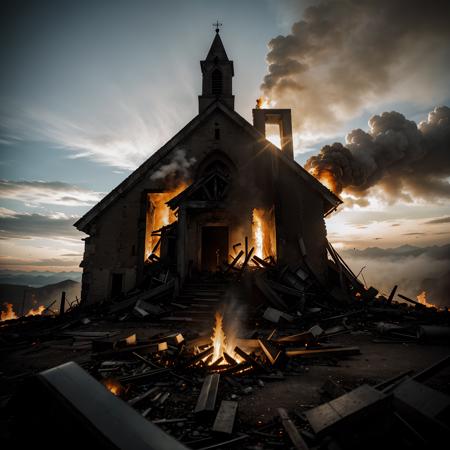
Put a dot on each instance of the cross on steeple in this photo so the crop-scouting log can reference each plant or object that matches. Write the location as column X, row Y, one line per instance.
column 217, row 25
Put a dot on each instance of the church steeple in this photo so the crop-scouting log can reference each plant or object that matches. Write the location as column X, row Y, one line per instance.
column 217, row 71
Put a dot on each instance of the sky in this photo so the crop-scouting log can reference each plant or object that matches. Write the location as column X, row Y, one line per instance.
column 90, row 89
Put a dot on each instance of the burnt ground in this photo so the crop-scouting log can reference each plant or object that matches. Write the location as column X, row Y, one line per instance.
column 296, row 384
column 300, row 389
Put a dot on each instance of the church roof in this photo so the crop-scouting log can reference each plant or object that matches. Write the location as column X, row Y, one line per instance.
column 331, row 199
column 217, row 50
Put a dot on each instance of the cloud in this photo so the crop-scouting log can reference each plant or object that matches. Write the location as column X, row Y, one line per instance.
column 27, row 226
column 48, row 192
column 123, row 133
column 412, row 268
column 401, row 160
column 439, row 221
column 344, row 56
column 49, row 262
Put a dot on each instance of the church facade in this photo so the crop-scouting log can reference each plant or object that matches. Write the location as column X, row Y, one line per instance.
column 217, row 188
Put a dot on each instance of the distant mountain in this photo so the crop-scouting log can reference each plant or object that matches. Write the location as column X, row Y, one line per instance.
column 404, row 251
column 36, row 278
column 32, row 296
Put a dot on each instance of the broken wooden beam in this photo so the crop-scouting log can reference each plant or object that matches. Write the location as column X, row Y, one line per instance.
column 226, row 415
column 207, row 399
column 234, row 261
column 306, row 337
column 345, row 413
column 325, row 352
column 247, row 258
column 391, row 295
column 199, row 356
column 292, row 430
column 414, row 302
column 270, row 350
column 261, row 261
column 229, row 359
column 270, row 295
column 249, row 359
column 274, row 315
column 63, row 303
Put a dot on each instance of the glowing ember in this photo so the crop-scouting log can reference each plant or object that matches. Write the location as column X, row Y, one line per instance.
column 113, row 386
column 422, row 299
column 36, row 312
column 9, row 314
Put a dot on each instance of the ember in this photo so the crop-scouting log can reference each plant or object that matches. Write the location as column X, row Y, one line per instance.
column 113, row 386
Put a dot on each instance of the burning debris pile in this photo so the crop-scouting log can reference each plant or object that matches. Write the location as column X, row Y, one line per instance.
column 191, row 366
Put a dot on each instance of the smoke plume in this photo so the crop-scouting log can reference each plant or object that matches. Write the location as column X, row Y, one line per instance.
column 177, row 168
column 348, row 55
column 396, row 155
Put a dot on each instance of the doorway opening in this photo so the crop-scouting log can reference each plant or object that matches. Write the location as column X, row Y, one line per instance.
column 214, row 247
column 116, row 284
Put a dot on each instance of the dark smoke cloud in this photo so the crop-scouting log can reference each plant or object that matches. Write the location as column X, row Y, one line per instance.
column 346, row 55
column 396, row 155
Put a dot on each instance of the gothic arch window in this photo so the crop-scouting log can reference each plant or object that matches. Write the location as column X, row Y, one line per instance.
column 218, row 162
column 217, row 82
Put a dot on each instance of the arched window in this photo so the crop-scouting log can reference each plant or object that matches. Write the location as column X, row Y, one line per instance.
column 216, row 82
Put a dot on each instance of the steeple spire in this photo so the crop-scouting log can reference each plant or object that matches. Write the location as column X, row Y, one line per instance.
column 217, row 71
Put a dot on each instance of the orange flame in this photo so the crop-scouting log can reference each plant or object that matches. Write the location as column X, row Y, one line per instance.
column 263, row 232
column 218, row 338
column 9, row 314
column 263, row 103
column 422, row 299
column 36, row 312
column 113, row 386
column 221, row 344
column 159, row 215
column 326, row 177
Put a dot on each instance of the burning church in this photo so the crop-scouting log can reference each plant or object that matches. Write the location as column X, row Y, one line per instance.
column 216, row 190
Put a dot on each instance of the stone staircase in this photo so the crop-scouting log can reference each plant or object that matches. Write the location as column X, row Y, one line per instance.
column 198, row 301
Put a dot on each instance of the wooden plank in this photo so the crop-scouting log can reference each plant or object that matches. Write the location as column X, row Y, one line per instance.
column 224, row 421
column 326, row 352
column 235, row 260
column 207, row 399
column 347, row 411
column 271, row 351
column 419, row 305
column 291, row 430
column 307, row 336
column 391, row 295
column 269, row 294
column 246, row 357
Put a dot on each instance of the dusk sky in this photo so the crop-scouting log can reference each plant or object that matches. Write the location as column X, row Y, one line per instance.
column 91, row 89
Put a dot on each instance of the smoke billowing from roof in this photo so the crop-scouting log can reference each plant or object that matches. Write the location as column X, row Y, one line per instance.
column 346, row 55
column 396, row 155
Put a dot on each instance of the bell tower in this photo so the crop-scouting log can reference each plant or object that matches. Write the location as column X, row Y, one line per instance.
column 217, row 72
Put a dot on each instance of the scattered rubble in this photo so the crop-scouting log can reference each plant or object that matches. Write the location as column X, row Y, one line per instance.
column 184, row 387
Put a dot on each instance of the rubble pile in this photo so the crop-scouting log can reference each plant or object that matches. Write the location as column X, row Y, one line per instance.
column 192, row 379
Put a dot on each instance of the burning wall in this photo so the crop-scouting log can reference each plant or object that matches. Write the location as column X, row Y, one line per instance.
column 264, row 232
column 158, row 215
